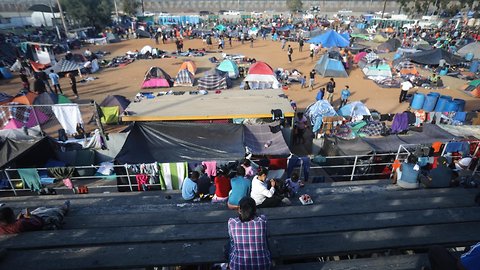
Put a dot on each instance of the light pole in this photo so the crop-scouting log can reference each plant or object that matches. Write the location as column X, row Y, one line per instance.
column 63, row 18
column 116, row 10
column 384, row 6
column 54, row 20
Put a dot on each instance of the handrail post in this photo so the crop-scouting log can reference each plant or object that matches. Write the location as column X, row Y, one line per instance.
column 353, row 169
column 10, row 181
column 128, row 177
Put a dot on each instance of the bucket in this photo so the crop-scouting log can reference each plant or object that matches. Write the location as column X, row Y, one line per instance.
column 460, row 103
column 443, row 72
column 418, row 101
column 451, row 106
column 441, row 103
column 431, row 101
column 474, row 66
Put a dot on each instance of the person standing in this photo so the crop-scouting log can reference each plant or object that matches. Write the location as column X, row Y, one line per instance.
column 405, row 86
column 320, row 94
column 251, row 42
column 300, row 124
column 55, row 81
column 24, row 78
column 73, row 83
column 248, row 246
column 300, row 44
column 290, row 52
column 39, row 85
column 345, row 95
column 44, row 77
column 330, row 90
column 312, row 78
column 284, row 42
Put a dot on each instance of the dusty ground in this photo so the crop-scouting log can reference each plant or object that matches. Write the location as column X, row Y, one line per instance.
column 126, row 80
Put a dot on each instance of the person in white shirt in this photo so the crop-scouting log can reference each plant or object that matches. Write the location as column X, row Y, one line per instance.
column 263, row 196
column 406, row 85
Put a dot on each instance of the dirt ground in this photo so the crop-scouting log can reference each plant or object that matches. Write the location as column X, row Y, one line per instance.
column 127, row 80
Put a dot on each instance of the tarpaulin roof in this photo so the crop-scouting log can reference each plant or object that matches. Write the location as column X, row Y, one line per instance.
column 330, row 39
column 336, row 146
column 328, row 67
column 433, row 57
column 470, row 48
column 256, row 137
column 66, row 66
column 390, row 45
column 34, row 152
column 182, row 142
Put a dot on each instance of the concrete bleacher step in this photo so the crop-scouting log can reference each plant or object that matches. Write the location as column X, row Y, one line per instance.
column 397, row 262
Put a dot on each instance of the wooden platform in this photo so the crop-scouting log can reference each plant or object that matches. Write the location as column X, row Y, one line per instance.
column 141, row 229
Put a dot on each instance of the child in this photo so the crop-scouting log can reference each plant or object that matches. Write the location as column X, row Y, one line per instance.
column 304, row 82
column 293, row 184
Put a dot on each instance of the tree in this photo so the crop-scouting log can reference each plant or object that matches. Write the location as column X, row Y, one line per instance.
column 96, row 13
column 294, row 5
column 130, row 7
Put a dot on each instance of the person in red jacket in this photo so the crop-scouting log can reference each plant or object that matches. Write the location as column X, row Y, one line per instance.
column 222, row 186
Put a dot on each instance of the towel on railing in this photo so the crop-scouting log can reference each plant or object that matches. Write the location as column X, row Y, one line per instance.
column 31, row 178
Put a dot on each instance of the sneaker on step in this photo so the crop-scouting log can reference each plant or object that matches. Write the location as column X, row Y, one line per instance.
column 286, row 201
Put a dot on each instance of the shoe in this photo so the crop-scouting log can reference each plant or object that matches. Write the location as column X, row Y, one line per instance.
column 286, row 201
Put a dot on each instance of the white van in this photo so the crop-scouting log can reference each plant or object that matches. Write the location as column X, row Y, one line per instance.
column 232, row 12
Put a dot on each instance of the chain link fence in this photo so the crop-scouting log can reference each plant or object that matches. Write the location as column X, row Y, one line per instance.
column 42, row 118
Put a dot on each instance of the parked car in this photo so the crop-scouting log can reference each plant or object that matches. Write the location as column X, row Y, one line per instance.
column 231, row 12
column 205, row 13
column 222, row 11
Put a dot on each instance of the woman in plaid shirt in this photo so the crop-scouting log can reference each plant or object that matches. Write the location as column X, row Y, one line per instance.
column 248, row 238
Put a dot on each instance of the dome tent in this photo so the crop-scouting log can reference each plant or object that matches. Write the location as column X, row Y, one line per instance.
column 156, row 77
column 261, row 76
column 230, row 67
column 184, row 78
column 329, row 67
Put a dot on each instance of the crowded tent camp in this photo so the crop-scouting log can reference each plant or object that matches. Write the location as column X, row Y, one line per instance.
column 264, row 134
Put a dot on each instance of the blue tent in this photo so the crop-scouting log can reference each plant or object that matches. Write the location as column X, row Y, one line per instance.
column 230, row 67
column 284, row 28
column 330, row 39
column 329, row 67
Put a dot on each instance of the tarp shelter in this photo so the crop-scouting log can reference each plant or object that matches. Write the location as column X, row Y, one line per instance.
column 285, row 28
column 156, row 78
column 354, row 109
column 112, row 38
column 15, row 115
column 184, row 78
column 335, row 146
column 257, row 136
column 473, row 48
column 190, row 65
column 166, row 142
column 377, row 72
column 8, row 53
column 379, row 38
column 112, row 107
column 212, row 82
column 51, row 99
column 221, row 27
column 38, row 52
column 371, row 56
column 390, row 45
column 25, row 154
column 330, row 39
column 230, row 67
column 329, row 67
column 142, row 33
column 362, row 36
column 191, row 19
column 423, row 45
column 433, row 57
column 316, row 111
column 64, row 66
column 261, row 76
column 473, row 88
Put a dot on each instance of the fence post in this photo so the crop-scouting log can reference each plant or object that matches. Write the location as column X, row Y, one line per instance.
column 353, row 169
column 11, row 184
column 128, row 177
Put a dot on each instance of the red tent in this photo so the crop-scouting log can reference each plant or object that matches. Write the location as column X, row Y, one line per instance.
column 260, row 68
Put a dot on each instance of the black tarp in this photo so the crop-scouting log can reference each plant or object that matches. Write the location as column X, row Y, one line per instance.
column 433, row 57
column 390, row 45
column 336, row 146
column 167, row 142
column 258, row 136
column 26, row 154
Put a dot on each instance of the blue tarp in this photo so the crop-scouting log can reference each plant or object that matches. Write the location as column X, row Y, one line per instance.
column 178, row 19
column 330, row 39
column 316, row 111
column 287, row 27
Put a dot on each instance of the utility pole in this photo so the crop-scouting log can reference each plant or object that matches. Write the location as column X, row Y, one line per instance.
column 54, row 20
column 384, row 6
column 63, row 18
column 143, row 9
column 116, row 10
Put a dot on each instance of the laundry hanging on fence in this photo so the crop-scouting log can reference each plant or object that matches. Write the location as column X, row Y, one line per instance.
column 173, row 174
column 31, row 178
column 68, row 115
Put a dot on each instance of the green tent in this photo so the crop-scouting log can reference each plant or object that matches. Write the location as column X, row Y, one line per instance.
column 110, row 115
column 220, row 27
column 362, row 36
column 63, row 99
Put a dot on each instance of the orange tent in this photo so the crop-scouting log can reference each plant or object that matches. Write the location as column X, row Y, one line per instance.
column 389, row 30
column 409, row 71
column 26, row 99
column 190, row 65
column 37, row 67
